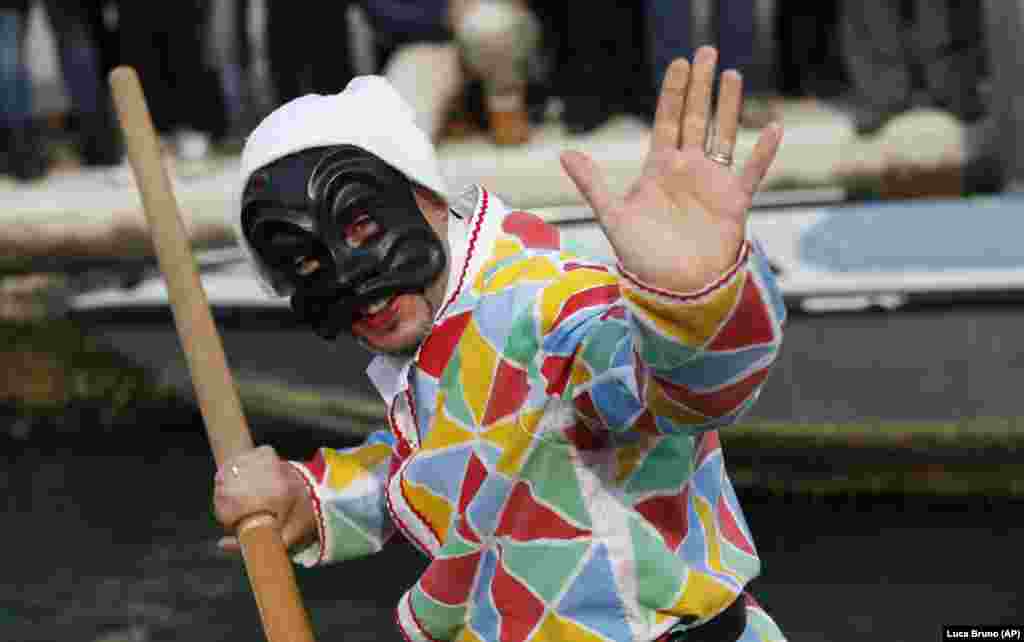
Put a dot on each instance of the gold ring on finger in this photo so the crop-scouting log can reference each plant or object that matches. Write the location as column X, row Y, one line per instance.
column 721, row 158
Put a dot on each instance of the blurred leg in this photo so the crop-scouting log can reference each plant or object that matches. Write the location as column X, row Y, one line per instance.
column 107, row 37
column 874, row 45
column 1003, row 23
column 950, row 63
column 15, row 88
column 670, row 25
column 98, row 139
column 225, row 39
column 736, row 33
column 209, row 116
column 546, row 76
column 604, row 67
column 183, row 65
column 735, row 30
column 330, row 47
column 241, row 9
column 285, row 19
column 144, row 38
column 497, row 41
column 790, row 53
column 77, row 52
column 26, row 159
column 809, row 60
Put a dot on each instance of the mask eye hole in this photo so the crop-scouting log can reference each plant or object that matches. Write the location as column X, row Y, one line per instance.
column 361, row 228
column 306, row 265
column 291, row 249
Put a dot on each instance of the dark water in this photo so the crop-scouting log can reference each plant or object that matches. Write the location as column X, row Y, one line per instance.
column 935, row 361
column 928, row 361
column 112, row 537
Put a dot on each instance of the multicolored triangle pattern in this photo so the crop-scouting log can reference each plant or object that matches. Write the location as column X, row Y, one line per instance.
column 568, row 480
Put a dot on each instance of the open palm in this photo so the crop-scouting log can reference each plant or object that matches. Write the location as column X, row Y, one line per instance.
column 682, row 223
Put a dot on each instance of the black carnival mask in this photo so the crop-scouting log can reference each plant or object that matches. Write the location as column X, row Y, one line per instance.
column 297, row 214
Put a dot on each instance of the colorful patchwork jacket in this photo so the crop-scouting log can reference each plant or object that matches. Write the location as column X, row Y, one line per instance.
column 553, row 447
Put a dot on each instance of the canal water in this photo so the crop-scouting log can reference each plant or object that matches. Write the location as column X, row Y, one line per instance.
column 108, row 535
column 924, row 362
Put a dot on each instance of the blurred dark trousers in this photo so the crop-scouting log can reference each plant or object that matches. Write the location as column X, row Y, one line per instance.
column 890, row 47
column 670, row 33
column 231, row 52
column 15, row 87
column 164, row 42
column 308, row 45
column 400, row 22
column 807, row 49
column 78, row 51
column 605, row 45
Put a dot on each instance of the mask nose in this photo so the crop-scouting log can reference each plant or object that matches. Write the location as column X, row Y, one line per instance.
column 355, row 265
column 360, row 230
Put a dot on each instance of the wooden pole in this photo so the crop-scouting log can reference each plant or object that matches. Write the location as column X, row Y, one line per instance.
column 266, row 560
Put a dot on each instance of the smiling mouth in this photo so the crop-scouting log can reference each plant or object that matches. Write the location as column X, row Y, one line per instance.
column 379, row 315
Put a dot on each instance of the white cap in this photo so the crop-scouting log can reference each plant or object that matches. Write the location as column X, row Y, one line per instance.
column 369, row 114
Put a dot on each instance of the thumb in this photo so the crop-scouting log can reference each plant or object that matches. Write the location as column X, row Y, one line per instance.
column 589, row 180
column 297, row 535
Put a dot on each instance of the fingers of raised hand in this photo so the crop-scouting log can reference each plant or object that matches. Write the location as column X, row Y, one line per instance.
column 669, row 115
column 698, row 98
column 761, row 157
column 684, row 107
column 727, row 114
column 590, row 181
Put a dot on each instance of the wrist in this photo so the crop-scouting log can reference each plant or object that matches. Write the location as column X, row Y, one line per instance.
column 306, row 510
column 713, row 277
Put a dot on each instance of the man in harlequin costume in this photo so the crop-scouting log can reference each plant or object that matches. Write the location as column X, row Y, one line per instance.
column 552, row 444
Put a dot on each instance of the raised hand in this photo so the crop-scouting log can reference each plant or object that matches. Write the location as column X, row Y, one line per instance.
column 682, row 224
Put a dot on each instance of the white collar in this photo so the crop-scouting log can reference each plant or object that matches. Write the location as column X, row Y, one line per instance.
column 388, row 373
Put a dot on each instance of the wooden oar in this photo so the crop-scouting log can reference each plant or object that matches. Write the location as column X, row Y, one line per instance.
column 266, row 560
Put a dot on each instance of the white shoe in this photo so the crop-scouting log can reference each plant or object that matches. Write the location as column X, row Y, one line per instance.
column 191, row 145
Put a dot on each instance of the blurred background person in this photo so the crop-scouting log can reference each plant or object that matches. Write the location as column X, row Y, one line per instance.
column 615, row 45
column 236, row 48
column 26, row 157
column 496, row 41
column 308, row 47
column 672, row 33
column 165, row 42
column 80, row 30
column 808, row 58
column 893, row 47
column 397, row 23
column 604, row 71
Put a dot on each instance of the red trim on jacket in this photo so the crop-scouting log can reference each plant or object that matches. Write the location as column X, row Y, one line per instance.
column 681, row 297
